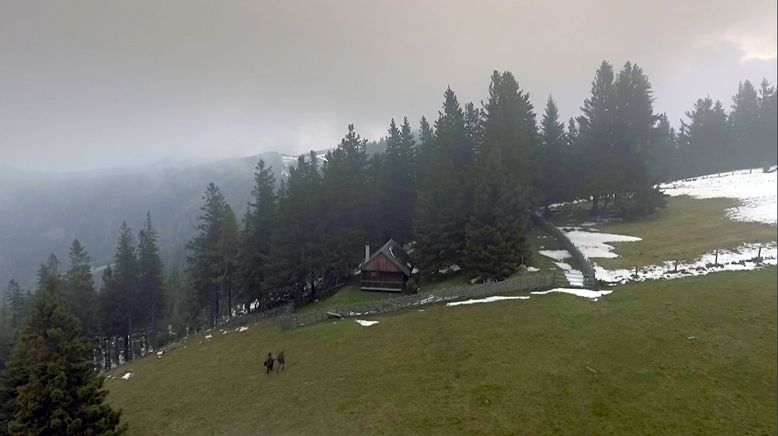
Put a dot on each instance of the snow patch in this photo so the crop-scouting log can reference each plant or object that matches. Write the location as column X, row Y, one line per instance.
column 743, row 258
column 559, row 255
column 532, row 269
column 241, row 329
column 595, row 244
column 754, row 189
column 127, row 375
column 580, row 292
column 486, row 300
column 364, row 323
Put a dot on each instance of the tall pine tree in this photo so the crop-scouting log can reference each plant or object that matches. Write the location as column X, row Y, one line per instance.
column 205, row 260
column 151, row 279
column 255, row 239
column 50, row 386
column 79, row 289
column 444, row 200
column 555, row 181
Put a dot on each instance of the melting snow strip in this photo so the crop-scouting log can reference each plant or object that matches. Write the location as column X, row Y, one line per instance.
column 558, row 255
column 486, row 300
column 364, row 323
column 586, row 293
column 742, row 258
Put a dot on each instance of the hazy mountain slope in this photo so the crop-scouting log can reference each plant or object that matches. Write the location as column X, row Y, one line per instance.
column 43, row 213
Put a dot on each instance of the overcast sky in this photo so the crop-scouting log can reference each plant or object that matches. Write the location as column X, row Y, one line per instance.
column 91, row 84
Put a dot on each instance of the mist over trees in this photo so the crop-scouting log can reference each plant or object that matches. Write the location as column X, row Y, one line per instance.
column 457, row 189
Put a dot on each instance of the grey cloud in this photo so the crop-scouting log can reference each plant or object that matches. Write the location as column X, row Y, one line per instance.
column 92, row 83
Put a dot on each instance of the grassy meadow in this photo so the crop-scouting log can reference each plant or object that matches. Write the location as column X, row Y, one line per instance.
column 684, row 230
column 690, row 356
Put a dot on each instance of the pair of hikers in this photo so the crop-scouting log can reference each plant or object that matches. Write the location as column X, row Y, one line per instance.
column 270, row 362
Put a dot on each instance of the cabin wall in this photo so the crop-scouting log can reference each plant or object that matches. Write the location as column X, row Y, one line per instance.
column 381, row 263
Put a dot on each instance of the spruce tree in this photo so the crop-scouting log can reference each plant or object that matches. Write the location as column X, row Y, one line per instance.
column 344, row 183
column 663, row 155
column 425, row 152
column 444, row 199
column 509, row 125
column 394, row 188
column 704, row 141
column 120, row 297
column 205, row 260
column 79, row 289
column 227, row 247
column 151, row 279
column 554, row 161
column 595, row 139
column 255, row 238
column 50, row 386
column 48, row 269
column 299, row 249
column 744, row 123
column 496, row 242
column 767, row 128
column 17, row 300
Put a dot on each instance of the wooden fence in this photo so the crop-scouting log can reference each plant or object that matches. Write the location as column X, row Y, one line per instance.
column 523, row 283
column 587, row 268
column 116, row 350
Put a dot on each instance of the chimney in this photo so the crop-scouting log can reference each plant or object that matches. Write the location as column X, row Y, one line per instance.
column 367, row 250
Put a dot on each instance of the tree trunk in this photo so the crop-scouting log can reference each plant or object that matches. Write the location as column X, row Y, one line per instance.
column 229, row 301
column 215, row 312
column 154, row 322
column 127, row 340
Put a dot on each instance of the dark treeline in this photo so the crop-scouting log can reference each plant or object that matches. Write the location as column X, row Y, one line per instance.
column 457, row 190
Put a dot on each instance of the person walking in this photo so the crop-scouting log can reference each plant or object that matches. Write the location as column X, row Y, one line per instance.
column 269, row 363
column 281, row 359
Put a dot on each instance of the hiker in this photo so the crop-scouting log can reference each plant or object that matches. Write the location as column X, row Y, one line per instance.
column 281, row 359
column 269, row 363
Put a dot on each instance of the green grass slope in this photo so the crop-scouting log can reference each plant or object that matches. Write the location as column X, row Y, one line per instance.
column 552, row 364
column 686, row 229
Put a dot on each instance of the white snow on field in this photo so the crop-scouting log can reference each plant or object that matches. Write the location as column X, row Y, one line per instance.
column 739, row 259
column 127, row 376
column 559, row 255
column 595, row 244
column 532, row 269
column 756, row 191
column 364, row 323
column 586, row 293
column 486, row 300
column 573, row 276
column 241, row 329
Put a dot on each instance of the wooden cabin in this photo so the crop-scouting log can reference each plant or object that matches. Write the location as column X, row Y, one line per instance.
column 388, row 269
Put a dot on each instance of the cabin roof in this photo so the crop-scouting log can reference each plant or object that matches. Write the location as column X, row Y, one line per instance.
column 396, row 254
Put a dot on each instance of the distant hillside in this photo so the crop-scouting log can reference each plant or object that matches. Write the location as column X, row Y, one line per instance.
column 42, row 213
